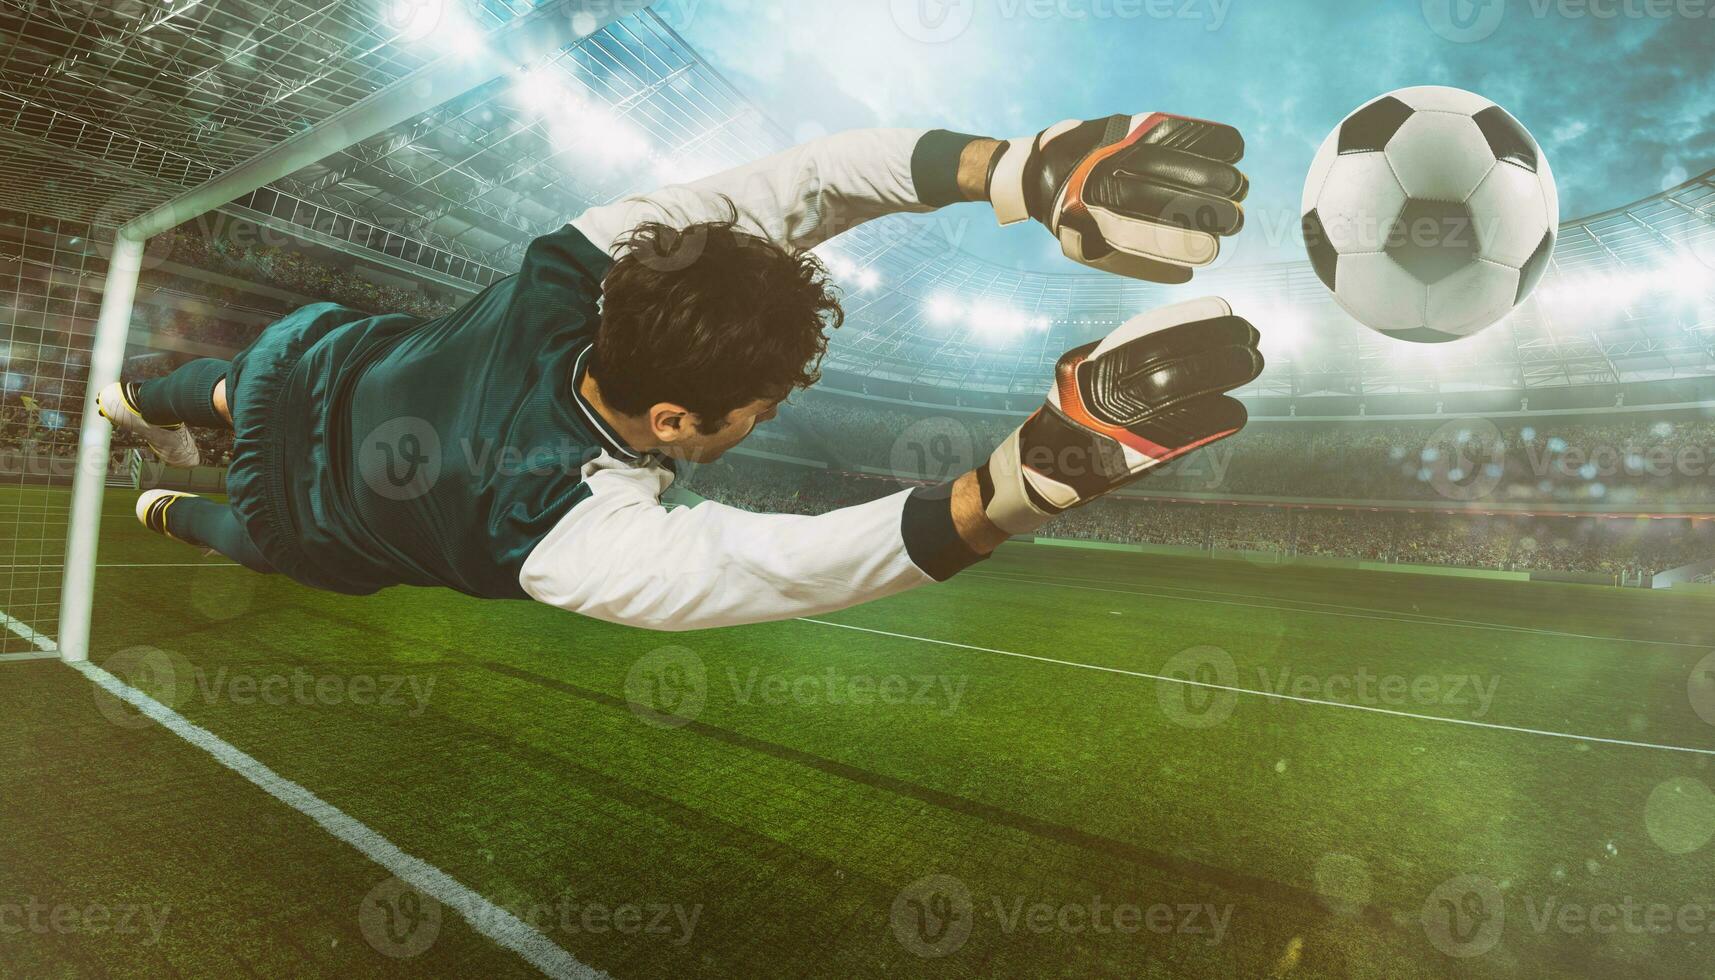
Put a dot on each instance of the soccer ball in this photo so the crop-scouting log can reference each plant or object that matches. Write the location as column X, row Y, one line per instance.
column 1430, row 213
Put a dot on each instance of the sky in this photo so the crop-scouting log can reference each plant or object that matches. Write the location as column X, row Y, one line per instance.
column 1620, row 93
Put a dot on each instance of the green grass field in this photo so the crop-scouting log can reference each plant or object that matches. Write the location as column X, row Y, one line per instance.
column 986, row 778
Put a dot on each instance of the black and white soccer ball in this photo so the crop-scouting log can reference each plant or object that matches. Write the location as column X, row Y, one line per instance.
column 1430, row 213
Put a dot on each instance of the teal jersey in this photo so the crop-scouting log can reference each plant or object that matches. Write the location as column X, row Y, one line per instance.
column 376, row 451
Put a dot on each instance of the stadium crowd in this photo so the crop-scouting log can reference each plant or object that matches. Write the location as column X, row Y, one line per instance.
column 1632, row 458
column 1614, row 547
column 298, row 272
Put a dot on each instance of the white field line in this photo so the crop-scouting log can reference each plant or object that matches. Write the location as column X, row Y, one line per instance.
column 45, row 646
column 1341, row 611
column 484, row 916
column 163, row 564
column 1270, row 694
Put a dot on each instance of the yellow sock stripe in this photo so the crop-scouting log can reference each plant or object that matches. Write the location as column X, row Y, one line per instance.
column 130, row 406
column 167, row 503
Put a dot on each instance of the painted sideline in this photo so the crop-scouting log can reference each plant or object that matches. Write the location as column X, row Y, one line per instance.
column 1272, row 694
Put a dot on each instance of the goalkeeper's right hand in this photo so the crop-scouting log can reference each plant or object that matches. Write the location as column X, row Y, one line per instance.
column 1151, row 391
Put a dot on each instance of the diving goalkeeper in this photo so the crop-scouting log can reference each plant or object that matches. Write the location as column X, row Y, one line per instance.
column 519, row 446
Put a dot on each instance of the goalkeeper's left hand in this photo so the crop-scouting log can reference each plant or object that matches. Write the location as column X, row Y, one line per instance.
column 1151, row 391
column 1147, row 196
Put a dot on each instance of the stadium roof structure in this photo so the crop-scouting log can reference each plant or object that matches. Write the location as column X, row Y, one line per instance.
column 109, row 109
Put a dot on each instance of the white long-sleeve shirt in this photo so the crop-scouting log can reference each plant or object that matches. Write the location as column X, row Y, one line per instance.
column 621, row 556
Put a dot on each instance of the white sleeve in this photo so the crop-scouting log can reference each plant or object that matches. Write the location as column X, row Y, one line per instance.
column 620, row 556
column 801, row 197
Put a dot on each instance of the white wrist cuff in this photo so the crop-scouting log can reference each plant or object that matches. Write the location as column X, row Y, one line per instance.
column 1006, row 189
column 1010, row 508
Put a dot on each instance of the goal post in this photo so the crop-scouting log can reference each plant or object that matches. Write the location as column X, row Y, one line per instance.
column 511, row 47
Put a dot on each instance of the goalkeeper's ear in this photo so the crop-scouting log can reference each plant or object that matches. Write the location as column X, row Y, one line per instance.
column 671, row 423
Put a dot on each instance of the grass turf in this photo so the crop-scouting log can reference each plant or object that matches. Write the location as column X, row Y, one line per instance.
column 820, row 800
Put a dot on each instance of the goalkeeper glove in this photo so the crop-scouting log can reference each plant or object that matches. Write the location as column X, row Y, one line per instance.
column 1149, row 392
column 1144, row 196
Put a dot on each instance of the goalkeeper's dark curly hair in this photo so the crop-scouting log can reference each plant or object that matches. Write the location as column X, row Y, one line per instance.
column 711, row 318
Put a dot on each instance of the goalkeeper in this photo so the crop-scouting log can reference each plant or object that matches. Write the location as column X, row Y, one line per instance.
column 519, row 446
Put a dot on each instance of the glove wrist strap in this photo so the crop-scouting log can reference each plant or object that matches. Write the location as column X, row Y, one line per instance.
column 1007, row 498
column 1006, row 181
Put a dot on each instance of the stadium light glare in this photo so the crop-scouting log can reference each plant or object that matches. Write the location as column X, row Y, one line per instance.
column 1689, row 278
column 942, row 309
column 994, row 320
column 1285, row 330
column 540, row 89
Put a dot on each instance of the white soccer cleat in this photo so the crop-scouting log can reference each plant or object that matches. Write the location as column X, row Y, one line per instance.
column 173, row 444
column 152, row 508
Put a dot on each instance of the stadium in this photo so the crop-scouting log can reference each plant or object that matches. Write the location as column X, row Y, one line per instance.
column 1431, row 635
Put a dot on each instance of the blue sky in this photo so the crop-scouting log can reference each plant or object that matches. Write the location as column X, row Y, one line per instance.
column 1621, row 93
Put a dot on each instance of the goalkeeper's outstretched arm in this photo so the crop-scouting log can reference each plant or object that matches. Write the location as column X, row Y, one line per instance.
column 1148, row 393
column 806, row 195
column 1148, row 195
